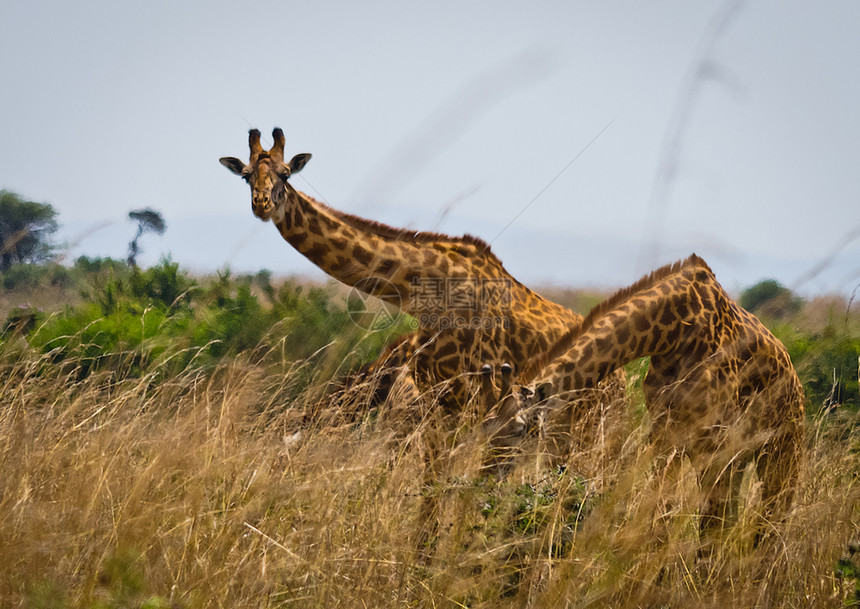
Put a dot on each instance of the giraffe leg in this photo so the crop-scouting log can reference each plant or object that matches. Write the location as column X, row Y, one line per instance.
column 555, row 431
column 778, row 468
column 506, row 423
column 403, row 408
column 720, row 485
column 434, row 436
column 669, row 479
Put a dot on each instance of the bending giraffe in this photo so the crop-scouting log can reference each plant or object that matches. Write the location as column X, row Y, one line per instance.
column 470, row 309
column 720, row 387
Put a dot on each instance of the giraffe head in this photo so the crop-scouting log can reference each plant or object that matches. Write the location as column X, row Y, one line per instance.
column 509, row 409
column 517, row 409
column 267, row 174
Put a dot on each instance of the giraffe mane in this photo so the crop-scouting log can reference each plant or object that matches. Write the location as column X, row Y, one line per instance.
column 402, row 234
column 566, row 341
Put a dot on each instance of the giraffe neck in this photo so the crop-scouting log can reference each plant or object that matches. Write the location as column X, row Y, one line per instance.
column 356, row 251
column 674, row 314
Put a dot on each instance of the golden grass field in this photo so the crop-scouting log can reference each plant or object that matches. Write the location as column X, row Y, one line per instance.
column 220, row 489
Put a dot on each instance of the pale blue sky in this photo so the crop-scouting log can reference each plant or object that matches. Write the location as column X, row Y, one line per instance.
column 449, row 116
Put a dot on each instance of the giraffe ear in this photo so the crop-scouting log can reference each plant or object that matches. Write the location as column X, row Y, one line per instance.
column 299, row 161
column 233, row 164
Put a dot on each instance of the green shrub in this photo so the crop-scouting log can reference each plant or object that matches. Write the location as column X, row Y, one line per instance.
column 828, row 365
column 126, row 339
column 30, row 276
column 88, row 265
column 163, row 283
column 21, row 320
column 231, row 323
column 131, row 318
column 770, row 298
column 121, row 585
column 826, row 360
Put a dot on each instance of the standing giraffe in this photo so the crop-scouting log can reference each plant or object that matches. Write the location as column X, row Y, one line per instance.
column 720, row 387
column 470, row 309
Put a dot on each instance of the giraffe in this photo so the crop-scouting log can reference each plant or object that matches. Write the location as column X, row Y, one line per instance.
column 720, row 388
column 469, row 308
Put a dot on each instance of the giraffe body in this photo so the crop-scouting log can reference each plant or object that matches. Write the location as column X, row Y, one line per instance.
column 720, row 387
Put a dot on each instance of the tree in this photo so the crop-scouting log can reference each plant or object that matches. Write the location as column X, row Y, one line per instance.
column 25, row 230
column 148, row 221
column 769, row 297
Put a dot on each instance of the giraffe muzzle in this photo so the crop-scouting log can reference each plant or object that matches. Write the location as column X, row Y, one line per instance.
column 263, row 209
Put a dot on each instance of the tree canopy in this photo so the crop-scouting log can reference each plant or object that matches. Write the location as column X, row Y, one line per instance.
column 769, row 297
column 148, row 221
column 25, row 230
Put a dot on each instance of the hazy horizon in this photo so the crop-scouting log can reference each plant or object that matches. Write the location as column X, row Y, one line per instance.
column 588, row 143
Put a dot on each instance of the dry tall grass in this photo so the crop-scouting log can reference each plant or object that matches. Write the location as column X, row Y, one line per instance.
column 197, row 491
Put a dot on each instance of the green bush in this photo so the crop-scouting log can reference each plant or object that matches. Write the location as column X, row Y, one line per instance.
column 131, row 319
column 28, row 276
column 121, row 585
column 163, row 283
column 770, row 298
column 126, row 339
column 828, row 365
column 233, row 323
column 112, row 284
column 88, row 265
column 21, row 320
